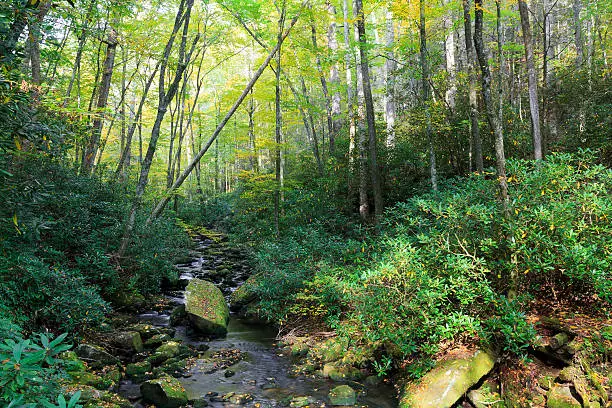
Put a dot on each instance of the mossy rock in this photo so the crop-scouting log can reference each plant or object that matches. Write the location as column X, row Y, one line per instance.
column 166, row 351
column 447, row 382
column 245, row 294
column 129, row 301
column 95, row 356
column 129, row 342
column 561, row 397
column 138, row 371
column 206, row 308
column 330, row 350
column 342, row 396
column 157, row 340
column 341, row 373
column 178, row 315
column 164, row 392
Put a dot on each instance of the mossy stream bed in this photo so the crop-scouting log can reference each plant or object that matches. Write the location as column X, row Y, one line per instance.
column 245, row 367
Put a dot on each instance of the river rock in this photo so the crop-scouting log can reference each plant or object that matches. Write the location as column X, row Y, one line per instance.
column 245, row 294
column 95, row 356
column 206, row 308
column 128, row 342
column 561, row 397
column 300, row 402
column 157, row 340
column 138, row 371
column 164, row 392
column 447, row 382
column 342, row 395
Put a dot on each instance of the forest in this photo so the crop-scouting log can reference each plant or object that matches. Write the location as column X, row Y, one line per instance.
column 305, row 203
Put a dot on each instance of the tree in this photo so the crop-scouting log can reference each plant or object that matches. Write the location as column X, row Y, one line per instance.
column 534, row 104
column 492, row 117
column 476, row 143
column 183, row 16
column 433, row 173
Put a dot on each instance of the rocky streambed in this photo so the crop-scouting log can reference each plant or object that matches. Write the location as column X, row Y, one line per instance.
column 190, row 351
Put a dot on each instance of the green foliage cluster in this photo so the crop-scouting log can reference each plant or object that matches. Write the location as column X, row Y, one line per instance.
column 58, row 229
column 31, row 370
column 438, row 269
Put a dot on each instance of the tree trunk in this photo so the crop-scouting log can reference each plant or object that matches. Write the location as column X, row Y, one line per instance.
column 390, row 67
column 474, row 127
column 103, row 92
column 334, row 80
column 579, row 42
column 328, row 102
column 425, row 95
column 179, row 181
column 364, row 205
column 449, row 51
column 123, row 160
column 350, row 103
column 165, row 98
column 278, row 122
column 493, row 119
column 534, row 104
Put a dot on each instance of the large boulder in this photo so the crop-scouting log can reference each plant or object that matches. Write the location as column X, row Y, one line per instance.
column 164, row 392
column 206, row 308
column 128, row 342
column 560, row 396
column 342, row 395
column 446, row 383
column 95, row 356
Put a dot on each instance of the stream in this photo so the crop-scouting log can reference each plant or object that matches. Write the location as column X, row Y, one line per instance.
column 263, row 372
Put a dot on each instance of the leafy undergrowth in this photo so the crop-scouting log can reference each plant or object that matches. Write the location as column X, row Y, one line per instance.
column 438, row 270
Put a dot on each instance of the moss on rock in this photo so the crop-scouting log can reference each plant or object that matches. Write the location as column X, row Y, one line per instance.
column 206, row 308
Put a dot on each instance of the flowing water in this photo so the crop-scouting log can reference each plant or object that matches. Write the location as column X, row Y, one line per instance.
column 262, row 372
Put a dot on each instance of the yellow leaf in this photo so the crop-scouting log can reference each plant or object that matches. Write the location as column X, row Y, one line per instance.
column 15, row 220
column 17, row 143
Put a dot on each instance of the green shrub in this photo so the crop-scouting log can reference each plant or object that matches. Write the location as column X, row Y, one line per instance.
column 31, row 369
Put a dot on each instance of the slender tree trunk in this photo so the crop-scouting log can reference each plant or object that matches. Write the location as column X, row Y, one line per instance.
column 364, row 205
column 451, row 64
column 474, row 127
column 350, row 103
column 103, row 92
column 76, row 68
column 326, row 97
column 334, row 79
column 165, row 98
column 135, row 123
column 278, row 123
column 425, row 95
column 579, row 42
column 179, row 181
column 534, row 104
column 390, row 67
column 493, row 119
column 35, row 38
column 309, row 126
column 369, row 104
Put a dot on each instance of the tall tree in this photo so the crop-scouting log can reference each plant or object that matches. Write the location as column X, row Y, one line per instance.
column 493, row 119
column 103, row 92
column 390, row 66
column 166, row 96
column 278, row 117
column 532, row 77
column 433, row 173
column 179, row 181
column 364, row 68
column 476, row 142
